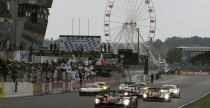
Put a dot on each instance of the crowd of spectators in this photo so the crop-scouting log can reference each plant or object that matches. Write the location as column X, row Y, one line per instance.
column 201, row 59
column 54, row 71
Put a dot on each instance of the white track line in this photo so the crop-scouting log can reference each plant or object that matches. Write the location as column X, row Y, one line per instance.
column 194, row 100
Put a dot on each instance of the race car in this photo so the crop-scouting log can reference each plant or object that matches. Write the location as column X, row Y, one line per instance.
column 105, row 87
column 156, row 94
column 141, row 87
column 114, row 99
column 173, row 89
column 90, row 89
column 126, row 86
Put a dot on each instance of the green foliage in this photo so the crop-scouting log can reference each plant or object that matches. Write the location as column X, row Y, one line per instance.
column 161, row 48
column 173, row 55
column 201, row 103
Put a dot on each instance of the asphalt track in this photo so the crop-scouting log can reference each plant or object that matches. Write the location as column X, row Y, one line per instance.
column 192, row 87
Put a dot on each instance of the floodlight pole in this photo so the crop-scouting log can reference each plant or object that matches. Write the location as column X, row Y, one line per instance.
column 137, row 29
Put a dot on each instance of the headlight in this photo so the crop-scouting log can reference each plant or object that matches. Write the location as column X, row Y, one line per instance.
column 161, row 90
column 97, row 101
column 166, row 97
column 120, row 88
column 104, row 87
column 144, row 95
column 145, row 88
column 175, row 91
column 126, row 93
column 126, row 102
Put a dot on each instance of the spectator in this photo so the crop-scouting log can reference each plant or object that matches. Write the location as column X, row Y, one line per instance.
column 51, row 47
column 152, row 78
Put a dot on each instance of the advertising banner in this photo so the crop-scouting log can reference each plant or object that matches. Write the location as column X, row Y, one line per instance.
column 1, row 90
column 79, row 43
column 37, row 88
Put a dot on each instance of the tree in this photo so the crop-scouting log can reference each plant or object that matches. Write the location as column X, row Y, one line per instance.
column 173, row 55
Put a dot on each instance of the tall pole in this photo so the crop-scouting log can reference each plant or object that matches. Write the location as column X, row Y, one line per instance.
column 16, row 20
column 79, row 26
column 72, row 26
column 88, row 26
column 138, row 40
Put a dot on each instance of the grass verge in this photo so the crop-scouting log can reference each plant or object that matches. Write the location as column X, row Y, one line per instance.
column 201, row 103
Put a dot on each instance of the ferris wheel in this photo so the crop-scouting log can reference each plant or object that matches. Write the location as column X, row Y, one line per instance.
column 129, row 22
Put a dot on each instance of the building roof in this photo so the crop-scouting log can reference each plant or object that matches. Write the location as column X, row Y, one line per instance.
column 194, row 49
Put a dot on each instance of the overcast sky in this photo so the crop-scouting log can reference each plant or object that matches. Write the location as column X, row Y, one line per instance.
column 183, row 18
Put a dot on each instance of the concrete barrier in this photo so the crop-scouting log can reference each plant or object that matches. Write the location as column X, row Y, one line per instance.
column 7, row 89
column 23, row 89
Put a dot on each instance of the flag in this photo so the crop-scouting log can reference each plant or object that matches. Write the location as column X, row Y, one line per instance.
column 72, row 61
column 17, row 55
column 101, row 57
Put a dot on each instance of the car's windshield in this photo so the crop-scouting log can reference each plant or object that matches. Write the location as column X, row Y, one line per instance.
column 141, row 85
column 101, row 84
column 91, row 86
column 168, row 87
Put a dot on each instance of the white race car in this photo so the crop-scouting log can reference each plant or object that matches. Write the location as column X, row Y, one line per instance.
column 90, row 89
column 103, row 85
column 141, row 87
column 174, row 90
column 126, row 86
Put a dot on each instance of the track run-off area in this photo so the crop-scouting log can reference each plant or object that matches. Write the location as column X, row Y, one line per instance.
column 192, row 87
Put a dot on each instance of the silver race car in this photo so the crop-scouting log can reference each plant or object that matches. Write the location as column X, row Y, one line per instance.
column 90, row 89
column 126, row 86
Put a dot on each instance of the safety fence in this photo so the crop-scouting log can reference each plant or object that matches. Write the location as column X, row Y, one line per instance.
column 10, row 89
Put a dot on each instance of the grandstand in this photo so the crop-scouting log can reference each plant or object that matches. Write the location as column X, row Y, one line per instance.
column 200, row 61
column 25, row 22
